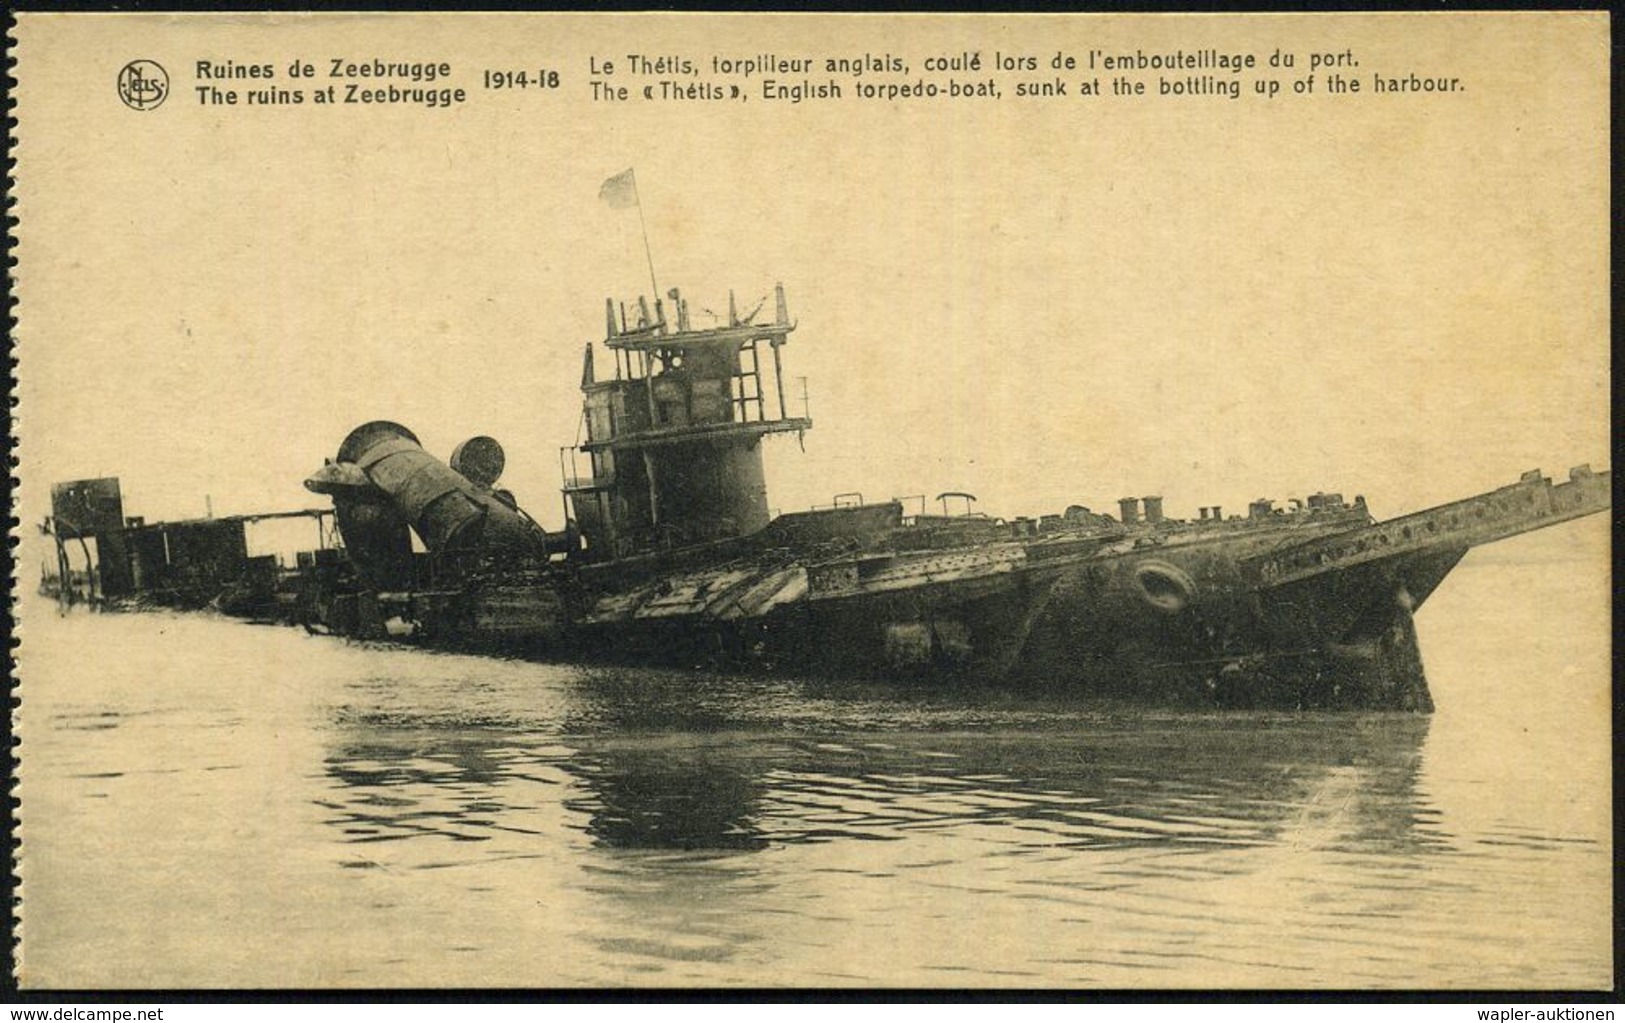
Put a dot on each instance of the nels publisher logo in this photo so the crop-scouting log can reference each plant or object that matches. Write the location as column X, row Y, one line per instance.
column 143, row 84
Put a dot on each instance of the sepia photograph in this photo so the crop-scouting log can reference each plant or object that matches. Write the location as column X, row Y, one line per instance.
column 605, row 502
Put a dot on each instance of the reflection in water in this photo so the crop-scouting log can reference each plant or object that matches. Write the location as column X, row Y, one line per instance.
column 1107, row 836
column 464, row 775
column 1198, row 780
column 670, row 798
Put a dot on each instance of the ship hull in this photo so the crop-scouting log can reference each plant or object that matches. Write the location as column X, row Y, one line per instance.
column 1307, row 609
column 1295, row 613
column 1168, row 627
column 1187, row 628
column 971, row 628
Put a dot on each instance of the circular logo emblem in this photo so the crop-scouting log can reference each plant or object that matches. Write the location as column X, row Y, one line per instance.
column 143, row 84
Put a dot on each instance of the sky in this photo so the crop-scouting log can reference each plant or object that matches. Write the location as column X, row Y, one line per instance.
column 1043, row 302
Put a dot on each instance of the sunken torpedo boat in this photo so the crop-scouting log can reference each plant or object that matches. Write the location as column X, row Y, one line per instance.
column 670, row 554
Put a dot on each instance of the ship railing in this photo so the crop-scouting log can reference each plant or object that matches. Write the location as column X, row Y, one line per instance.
column 1529, row 504
column 571, row 477
column 588, row 482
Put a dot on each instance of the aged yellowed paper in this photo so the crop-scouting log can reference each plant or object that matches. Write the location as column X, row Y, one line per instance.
column 920, row 700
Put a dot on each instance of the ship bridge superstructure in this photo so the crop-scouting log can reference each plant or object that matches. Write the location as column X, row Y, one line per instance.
column 672, row 440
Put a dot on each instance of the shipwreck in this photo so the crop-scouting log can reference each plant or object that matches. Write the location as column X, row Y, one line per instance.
column 670, row 554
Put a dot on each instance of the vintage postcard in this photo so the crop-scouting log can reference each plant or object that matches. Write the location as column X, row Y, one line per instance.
column 621, row 501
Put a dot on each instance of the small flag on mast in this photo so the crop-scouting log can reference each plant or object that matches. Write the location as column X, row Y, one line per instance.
column 620, row 191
